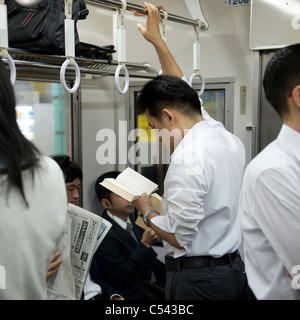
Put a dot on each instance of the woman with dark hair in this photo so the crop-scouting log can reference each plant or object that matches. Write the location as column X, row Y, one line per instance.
column 32, row 206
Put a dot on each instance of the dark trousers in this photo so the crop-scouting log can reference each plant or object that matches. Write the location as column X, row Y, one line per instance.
column 227, row 282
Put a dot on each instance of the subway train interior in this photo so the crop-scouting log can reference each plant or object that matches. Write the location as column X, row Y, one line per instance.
column 88, row 110
column 237, row 39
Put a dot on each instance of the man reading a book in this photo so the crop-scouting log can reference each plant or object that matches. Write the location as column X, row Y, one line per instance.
column 200, row 227
column 126, row 257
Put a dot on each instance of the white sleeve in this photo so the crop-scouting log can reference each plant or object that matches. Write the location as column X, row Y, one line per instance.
column 277, row 204
column 184, row 205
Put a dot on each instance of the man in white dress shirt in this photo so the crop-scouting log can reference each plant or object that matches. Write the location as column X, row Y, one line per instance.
column 200, row 228
column 270, row 196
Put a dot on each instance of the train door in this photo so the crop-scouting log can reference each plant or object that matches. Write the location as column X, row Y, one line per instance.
column 269, row 120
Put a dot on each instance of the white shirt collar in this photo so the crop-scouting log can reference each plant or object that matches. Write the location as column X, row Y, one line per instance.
column 119, row 221
column 290, row 139
column 187, row 139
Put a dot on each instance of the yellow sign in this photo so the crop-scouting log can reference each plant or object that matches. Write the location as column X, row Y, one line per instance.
column 40, row 87
column 145, row 132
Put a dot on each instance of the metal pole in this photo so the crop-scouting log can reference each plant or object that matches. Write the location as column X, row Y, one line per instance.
column 113, row 4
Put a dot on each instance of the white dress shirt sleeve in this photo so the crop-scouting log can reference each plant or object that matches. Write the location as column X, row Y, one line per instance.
column 183, row 205
column 277, row 213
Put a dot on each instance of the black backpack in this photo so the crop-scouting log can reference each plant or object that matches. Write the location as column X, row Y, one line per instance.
column 41, row 29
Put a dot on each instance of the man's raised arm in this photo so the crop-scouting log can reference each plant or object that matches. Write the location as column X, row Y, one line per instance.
column 152, row 34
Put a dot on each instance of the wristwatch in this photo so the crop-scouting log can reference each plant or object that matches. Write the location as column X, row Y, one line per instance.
column 146, row 214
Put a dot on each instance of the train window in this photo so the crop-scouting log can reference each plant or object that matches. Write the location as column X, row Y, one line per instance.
column 42, row 115
column 214, row 103
column 218, row 99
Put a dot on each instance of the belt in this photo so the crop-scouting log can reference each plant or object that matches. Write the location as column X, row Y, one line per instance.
column 199, row 262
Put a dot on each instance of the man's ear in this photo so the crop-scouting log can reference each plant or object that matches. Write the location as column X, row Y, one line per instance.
column 296, row 96
column 169, row 115
column 105, row 203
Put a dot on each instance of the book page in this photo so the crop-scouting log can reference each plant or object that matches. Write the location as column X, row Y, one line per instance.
column 136, row 182
column 157, row 202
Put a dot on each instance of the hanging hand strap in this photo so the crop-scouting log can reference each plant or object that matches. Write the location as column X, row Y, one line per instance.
column 196, row 60
column 28, row 3
column 121, row 49
column 69, row 50
column 163, row 30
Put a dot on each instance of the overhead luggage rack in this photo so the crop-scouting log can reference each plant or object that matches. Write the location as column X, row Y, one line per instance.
column 35, row 62
column 29, row 63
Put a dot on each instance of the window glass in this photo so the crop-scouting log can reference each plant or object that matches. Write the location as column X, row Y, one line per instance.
column 41, row 115
column 214, row 104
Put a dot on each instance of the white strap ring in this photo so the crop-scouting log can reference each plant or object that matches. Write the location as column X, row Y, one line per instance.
column 13, row 73
column 117, row 75
column 63, row 76
column 202, row 82
column 28, row 3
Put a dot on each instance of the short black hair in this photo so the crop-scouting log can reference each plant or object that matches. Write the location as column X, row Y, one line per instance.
column 70, row 169
column 102, row 192
column 168, row 91
column 281, row 76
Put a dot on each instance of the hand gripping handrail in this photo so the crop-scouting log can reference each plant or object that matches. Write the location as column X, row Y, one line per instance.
column 121, row 50
column 163, row 30
column 69, row 50
column 4, row 42
column 196, row 60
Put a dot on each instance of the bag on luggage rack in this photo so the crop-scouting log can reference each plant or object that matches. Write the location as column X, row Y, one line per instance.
column 87, row 50
column 41, row 29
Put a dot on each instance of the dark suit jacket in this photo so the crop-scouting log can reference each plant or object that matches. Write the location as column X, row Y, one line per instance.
column 125, row 264
column 106, row 289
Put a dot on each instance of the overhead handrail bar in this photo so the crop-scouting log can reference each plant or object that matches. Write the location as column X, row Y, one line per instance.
column 113, row 4
column 69, row 50
column 196, row 61
column 162, row 28
column 121, row 50
column 4, row 42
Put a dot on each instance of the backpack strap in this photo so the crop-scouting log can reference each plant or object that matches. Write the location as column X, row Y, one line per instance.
column 84, row 12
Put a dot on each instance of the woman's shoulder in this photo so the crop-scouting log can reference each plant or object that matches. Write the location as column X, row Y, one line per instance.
column 49, row 166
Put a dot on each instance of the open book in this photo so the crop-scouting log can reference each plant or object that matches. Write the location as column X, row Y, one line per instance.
column 130, row 185
column 157, row 205
column 84, row 231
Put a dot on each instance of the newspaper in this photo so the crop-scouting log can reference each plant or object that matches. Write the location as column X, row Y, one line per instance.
column 84, row 231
